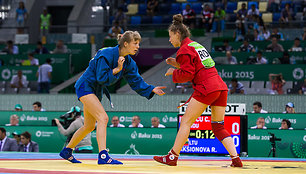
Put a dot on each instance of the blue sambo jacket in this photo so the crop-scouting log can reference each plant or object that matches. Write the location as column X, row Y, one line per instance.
column 99, row 74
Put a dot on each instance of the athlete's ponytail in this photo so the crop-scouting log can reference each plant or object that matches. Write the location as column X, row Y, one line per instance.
column 128, row 37
column 178, row 26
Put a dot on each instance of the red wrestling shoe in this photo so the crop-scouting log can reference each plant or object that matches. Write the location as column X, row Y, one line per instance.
column 170, row 159
column 236, row 161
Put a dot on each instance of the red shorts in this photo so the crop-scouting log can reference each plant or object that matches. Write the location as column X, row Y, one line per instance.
column 218, row 98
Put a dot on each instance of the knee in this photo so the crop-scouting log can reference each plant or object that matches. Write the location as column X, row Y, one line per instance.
column 219, row 130
column 217, row 126
column 103, row 119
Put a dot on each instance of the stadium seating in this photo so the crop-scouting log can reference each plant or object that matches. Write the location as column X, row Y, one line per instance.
column 7, row 84
column 185, row 4
column 246, row 84
column 142, row 9
column 164, row 9
column 33, row 85
column 111, row 18
column 157, row 19
column 24, row 91
column 175, row 8
column 210, row 4
column 268, row 84
column 197, row 7
column 257, row 84
column 167, row 19
column 263, row 6
column 239, row 5
column 146, row 20
column 276, row 17
column 250, row 3
column 283, row 4
column 231, row 17
column 258, row 87
column 299, row 16
column 231, row 7
column 298, row 6
column 10, row 91
column 135, row 20
column 267, row 17
column 132, row 9
column 288, row 85
column 296, row 87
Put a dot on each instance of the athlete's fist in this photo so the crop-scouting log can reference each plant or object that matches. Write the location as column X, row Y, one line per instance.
column 120, row 62
column 172, row 61
column 169, row 72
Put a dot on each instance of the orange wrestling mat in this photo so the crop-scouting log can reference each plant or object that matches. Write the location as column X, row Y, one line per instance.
column 50, row 163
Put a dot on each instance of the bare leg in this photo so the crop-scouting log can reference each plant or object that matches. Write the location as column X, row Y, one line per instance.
column 95, row 109
column 89, row 126
column 217, row 114
column 194, row 110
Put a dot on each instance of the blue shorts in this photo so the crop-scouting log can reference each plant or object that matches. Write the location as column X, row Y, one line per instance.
column 80, row 92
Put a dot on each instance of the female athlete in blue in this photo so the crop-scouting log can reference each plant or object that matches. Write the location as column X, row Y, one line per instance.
column 108, row 65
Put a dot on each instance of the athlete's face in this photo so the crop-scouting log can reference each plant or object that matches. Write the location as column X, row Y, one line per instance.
column 174, row 38
column 132, row 47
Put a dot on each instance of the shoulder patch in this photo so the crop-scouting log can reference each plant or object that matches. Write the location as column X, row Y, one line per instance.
column 195, row 45
column 205, row 57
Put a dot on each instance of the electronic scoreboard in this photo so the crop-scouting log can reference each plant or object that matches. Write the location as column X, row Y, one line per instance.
column 202, row 140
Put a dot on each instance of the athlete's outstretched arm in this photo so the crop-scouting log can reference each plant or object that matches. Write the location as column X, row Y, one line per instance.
column 158, row 90
column 138, row 84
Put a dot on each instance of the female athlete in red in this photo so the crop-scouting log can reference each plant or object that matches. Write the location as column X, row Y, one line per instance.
column 193, row 63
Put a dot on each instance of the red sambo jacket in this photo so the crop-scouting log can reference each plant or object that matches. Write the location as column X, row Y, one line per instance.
column 197, row 66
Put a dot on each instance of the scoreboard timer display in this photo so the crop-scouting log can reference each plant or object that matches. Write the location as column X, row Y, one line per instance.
column 202, row 140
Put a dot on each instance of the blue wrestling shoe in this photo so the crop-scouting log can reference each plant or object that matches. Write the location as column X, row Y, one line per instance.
column 66, row 153
column 104, row 158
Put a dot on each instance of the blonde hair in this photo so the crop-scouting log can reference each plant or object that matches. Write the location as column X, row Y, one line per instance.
column 178, row 26
column 128, row 37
